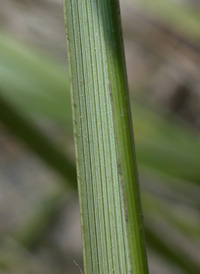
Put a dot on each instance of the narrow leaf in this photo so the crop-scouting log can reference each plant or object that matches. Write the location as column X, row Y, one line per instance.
column 112, row 227
column 39, row 88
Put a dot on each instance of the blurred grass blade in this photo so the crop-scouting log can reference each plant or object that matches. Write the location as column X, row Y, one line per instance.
column 40, row 144
column 29, row 235
column 33, row 83
column 158, row 128
column 170, row 148
column 154, row 207
column 113, row 240
column 39, row 87
column 170, row 253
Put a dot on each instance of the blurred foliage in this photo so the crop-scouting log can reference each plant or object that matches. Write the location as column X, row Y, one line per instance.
column 160, row 144
column 180, row 16
column 167, row 148
column 34, row 88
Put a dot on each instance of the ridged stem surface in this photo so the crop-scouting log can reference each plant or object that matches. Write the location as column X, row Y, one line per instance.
column 111, row 218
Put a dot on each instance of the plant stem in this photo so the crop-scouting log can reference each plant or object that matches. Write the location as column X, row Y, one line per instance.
column 112, row 226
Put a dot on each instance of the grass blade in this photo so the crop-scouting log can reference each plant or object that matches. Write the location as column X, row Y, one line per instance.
column 30, row 233
column 113, row 240
column 39, row 88
column 33, row 83
column 29, row 133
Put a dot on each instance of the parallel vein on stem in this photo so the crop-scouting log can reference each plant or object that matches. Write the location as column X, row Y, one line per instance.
column 108, row 191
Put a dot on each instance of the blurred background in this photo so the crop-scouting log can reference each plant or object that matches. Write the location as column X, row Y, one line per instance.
column 39, row 212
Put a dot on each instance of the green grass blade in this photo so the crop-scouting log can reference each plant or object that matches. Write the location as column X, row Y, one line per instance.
column 26, row 232
column 113, row 240
column 39, row 87
column 29, row 235
column 33, row 83
column 31, row 232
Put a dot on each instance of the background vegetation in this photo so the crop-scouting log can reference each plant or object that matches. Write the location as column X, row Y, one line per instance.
column 39, row 212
